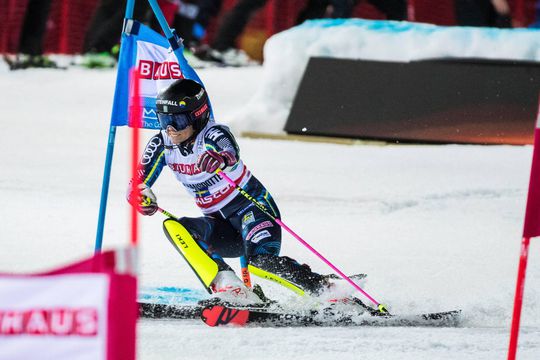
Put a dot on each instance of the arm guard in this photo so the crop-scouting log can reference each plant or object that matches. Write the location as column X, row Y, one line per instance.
column 219, row 139
column 152, row 161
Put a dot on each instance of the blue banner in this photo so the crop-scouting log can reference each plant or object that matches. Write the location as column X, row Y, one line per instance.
column 158, row 66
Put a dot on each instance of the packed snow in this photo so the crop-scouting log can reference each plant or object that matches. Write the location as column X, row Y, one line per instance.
column 435, row 227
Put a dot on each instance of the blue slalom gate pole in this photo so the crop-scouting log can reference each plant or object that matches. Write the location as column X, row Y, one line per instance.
column 105, row 188
column 108, row 165
column 169, row 34
column 129, row 9
column 177, row 48
column 163, row 23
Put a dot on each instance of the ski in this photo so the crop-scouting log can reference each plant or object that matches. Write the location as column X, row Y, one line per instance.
column 215, row 313
column 181, row 303
column 169, row 311
column 226, row 314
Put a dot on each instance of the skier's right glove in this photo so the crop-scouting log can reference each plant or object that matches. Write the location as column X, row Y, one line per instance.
column 210, row 160
column 143, row 199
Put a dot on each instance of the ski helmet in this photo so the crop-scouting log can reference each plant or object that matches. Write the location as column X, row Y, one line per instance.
column 183, row 103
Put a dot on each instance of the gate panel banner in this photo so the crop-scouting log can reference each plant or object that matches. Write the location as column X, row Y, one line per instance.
column 86, row 310
column 151, row 54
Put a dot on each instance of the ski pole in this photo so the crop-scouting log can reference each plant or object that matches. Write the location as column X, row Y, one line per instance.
column 166, row 213
column 261, row 207
column 246, row 278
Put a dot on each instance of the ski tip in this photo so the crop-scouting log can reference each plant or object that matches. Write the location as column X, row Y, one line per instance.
column 383, row 310
column 168, row 311
column 216, row 315
column 445, row 315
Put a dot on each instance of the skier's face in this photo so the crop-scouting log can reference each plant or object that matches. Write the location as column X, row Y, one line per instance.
column 178, row 137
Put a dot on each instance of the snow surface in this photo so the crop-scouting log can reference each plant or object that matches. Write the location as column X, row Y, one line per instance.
column 435, row 227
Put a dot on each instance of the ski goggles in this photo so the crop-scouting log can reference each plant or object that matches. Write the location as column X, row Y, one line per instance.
column 178, row 121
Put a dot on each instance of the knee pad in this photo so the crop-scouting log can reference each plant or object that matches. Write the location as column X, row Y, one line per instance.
column 262, row 236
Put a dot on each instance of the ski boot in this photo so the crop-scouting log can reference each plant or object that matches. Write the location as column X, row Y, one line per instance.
column 289, row 273
column 229, row 288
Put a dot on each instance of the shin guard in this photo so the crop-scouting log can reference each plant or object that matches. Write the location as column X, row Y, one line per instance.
column 198, row 259
column 288, row 273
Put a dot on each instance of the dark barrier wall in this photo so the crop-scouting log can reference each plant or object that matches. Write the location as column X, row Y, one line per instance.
column 436, row 101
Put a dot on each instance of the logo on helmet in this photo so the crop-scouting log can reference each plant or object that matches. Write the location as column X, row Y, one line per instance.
column 200, row 94
column 182, row 103
column 166, row 102
column 201, row 110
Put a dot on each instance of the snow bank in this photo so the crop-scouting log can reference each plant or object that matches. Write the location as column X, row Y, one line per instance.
column 287, row 53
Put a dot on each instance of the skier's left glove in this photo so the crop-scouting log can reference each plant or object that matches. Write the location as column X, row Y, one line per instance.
column 143, row 199
column 211, row 160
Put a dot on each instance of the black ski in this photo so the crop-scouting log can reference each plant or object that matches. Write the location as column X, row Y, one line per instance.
column 169, row 311
column 217, row 315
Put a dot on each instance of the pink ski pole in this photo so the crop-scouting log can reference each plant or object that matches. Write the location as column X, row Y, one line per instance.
column 261, row 207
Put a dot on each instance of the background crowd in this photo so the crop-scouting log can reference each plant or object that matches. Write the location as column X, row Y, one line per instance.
column 192, row 18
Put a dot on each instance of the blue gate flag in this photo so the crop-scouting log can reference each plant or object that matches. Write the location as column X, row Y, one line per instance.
column 158, row 66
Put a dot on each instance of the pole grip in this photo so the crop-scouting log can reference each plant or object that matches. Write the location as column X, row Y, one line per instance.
column 166, row 213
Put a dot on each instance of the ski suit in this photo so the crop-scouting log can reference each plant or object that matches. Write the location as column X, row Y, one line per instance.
column 232, row 225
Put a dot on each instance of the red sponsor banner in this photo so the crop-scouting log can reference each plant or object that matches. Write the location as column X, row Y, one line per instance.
column 86, row 310
column 61, row 321
column 186, row 169
column 153, row 70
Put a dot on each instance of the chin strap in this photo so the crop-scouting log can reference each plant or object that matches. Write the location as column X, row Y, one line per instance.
column 185, row 147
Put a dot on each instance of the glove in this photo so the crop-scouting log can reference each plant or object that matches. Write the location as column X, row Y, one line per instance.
column 143, row 199
column 210, row 160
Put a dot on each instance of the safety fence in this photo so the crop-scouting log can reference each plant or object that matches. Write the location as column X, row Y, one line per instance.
column 69, row 19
